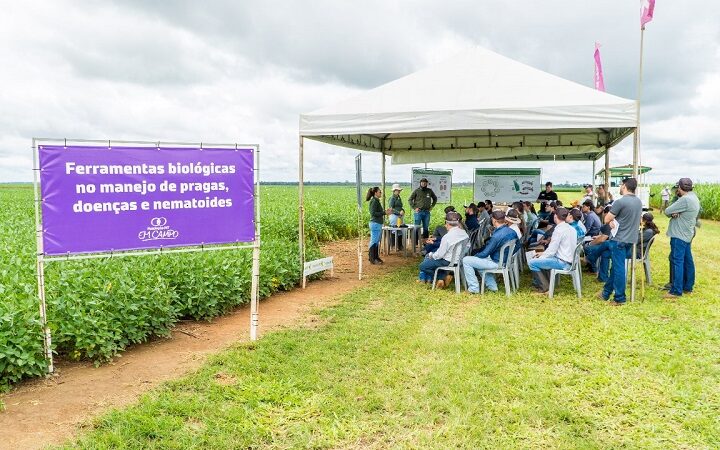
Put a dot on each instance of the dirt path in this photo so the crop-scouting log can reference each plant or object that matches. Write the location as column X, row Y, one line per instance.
column 48, row 411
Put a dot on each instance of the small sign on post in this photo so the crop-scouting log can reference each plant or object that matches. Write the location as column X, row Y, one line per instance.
column 316, row 266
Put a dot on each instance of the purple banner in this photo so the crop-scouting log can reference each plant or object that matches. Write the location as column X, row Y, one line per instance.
column 100, row 199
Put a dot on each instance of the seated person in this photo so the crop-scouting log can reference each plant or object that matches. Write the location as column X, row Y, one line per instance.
column 512, row 217
column 433, row 242
column 489, row 256
column 598, row 250
column 592, row 220
column 559, row 254
column 648, row 229
column 574, row 219
column 531, row 216
column 538, row 233
column 442, row 256
column 471, row 217
column 489, row 206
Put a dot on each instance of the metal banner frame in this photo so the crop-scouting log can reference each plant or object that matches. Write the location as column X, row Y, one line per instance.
column 42, row 259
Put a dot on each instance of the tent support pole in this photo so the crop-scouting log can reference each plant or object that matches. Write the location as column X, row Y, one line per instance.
column 607, row 172
column 382, row 175
column 301, row 211
column 592, row 181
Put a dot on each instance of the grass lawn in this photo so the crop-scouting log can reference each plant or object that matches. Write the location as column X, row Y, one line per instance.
column 395, row 365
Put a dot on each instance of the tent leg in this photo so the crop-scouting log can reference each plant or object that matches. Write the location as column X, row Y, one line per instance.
column 382, row 175
column 592, row 181
column 301, row 212
column 607, row 171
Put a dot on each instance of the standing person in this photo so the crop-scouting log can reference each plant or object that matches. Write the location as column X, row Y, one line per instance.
column 589, row 194
column 544, row 198
column 422, row 201
column 681, row 230
column 558, row 255
column 626, row 211
column 396, row 205
column 377, row 217
column 489, row 256
column 665, row 196
column 443, row 255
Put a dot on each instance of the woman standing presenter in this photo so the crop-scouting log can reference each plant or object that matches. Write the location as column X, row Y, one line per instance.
column 377, row 217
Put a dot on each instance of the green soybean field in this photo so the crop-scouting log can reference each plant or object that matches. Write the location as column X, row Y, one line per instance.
column 96, row 308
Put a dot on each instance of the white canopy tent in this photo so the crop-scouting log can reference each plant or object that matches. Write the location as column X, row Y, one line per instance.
column 476, row 106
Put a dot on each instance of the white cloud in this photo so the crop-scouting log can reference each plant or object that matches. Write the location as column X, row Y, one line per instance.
column 237, row 71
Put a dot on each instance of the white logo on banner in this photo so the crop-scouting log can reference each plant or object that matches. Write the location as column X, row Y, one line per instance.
column 158, row 230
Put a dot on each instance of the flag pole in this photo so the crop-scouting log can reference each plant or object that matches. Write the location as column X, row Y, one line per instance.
column 636, row 154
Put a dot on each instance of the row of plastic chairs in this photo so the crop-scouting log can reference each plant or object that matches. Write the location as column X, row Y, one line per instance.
column 509, row 266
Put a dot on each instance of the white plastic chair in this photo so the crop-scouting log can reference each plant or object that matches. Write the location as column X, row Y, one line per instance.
column 574, row 271
column 458, row 252
column 504, row 267
column 644, row 260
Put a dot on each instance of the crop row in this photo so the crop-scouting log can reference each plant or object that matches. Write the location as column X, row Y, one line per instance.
column 96, row 308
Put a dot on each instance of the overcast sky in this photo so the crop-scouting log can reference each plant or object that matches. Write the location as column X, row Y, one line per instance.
column 242, row 71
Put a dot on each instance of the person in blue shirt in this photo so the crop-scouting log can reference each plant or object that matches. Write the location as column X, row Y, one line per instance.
column 592, row 220
column 573, row 219
column 471, row 217
column 489, row 255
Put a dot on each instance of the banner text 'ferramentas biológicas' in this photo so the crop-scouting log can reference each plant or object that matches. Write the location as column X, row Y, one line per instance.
column 100, row 199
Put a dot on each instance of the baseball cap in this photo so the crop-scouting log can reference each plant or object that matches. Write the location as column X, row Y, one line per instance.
column 452, row 216
column 685, row 184
column 423, row 179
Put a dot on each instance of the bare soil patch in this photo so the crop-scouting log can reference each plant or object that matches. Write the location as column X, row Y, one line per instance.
column 48, row 411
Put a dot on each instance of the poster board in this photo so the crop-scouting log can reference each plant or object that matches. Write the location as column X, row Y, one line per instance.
column 439, row 180
column 98, row 199
column 507, row 185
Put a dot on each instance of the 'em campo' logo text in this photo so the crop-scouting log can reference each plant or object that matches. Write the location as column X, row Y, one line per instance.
column 158, row 230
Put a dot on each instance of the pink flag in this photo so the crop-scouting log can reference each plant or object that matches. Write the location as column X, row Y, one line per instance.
column 648, row 7
column 599, row 81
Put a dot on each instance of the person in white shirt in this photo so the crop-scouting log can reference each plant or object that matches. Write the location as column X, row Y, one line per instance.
column 589, row 194
column 665, row 195
column 443, row 255
column 558, row 255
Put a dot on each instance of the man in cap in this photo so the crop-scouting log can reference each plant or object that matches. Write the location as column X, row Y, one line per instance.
column 559, row 253
column 589, row 194
column 443, row 255
column 422, row 200
column 681, row 230
column 625, row 213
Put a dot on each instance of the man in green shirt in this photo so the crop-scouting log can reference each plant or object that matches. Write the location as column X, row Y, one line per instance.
column 422, row 201
column 683, row 215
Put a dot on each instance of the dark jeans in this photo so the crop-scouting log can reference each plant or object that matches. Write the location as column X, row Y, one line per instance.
column 602, row 251
column 616, row 282
column 423, row 218
column 428, row 266
column 682, row 265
